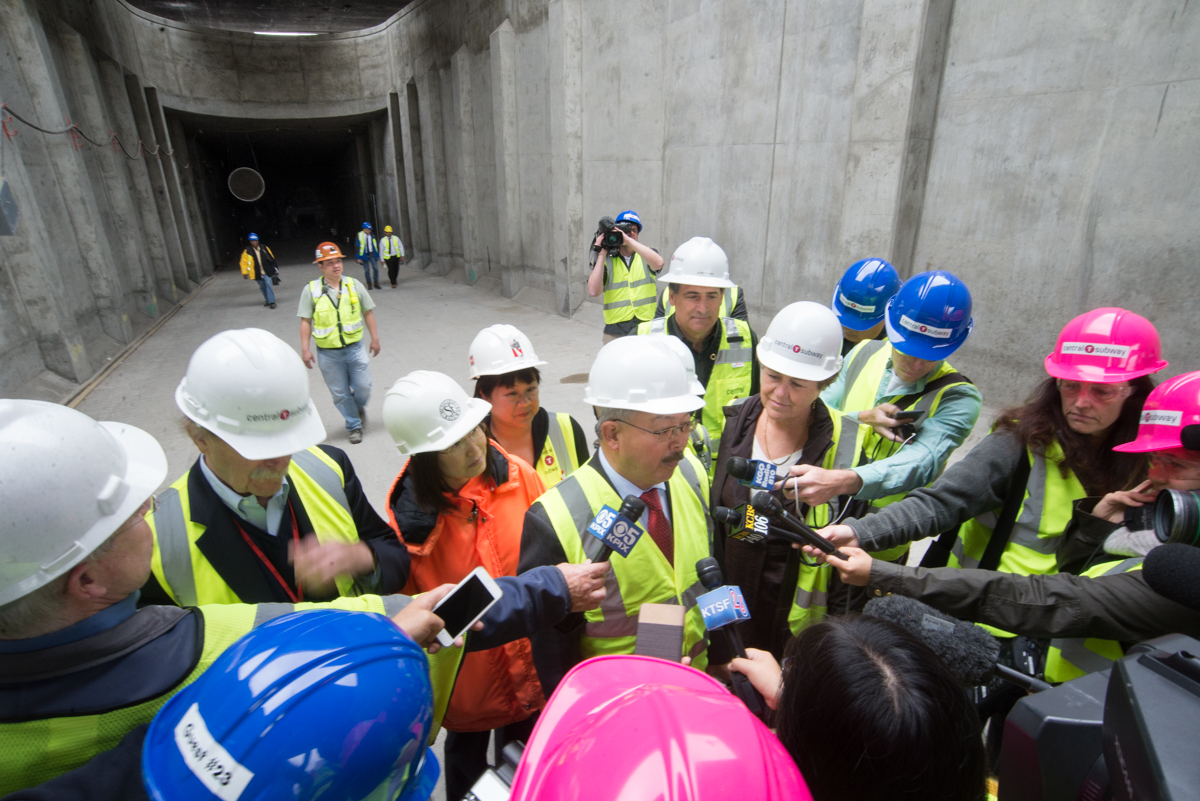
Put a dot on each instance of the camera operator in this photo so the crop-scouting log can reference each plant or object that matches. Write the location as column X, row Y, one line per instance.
column 626, row 281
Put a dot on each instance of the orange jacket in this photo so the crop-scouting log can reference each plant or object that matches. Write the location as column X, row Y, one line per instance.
column 500, row 685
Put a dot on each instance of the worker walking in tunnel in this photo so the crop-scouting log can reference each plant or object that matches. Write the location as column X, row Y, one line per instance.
column 258, row 263
column 368, row 256
column 392, row 251
column 333, row 310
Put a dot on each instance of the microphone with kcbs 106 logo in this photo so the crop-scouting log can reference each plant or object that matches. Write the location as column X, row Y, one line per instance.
column 617, row 529
column 745, row 525
column 752, row 474
column 767, row 505
column 722, row 607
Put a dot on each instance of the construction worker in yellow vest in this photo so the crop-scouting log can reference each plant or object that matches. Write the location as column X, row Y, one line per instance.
column 505, row 368
column 907, row 406
column 623, row 270
column 723, row 348
column 644, row 409
column 391, row 250
column 732, row 305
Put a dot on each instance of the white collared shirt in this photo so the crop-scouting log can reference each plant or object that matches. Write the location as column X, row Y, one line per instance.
column 625, row 487
column 247, row 507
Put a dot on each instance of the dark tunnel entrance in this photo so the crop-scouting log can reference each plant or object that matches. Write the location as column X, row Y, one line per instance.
column 318, row 176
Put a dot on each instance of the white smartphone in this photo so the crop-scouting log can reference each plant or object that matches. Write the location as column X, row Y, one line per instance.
column 465, row 604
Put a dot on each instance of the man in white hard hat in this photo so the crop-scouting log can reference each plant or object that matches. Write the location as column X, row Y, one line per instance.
column 266, row 513
column 723, row 346
column 644, row 410
column 83, row 666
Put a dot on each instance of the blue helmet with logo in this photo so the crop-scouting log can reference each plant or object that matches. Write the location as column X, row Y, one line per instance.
column 860, row 297
column 367, row 225
column 253, row 237
column 630, row 216
column 930, row 317
column 325, row 704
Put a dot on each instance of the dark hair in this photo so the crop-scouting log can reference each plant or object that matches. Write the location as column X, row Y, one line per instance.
column 1099, row 468
column 430, row 490
column 869, row 713
column 486, row 384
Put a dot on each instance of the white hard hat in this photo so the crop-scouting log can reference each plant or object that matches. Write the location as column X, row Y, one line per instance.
column 699, row 262
column 67, row 483
column 803, row 341
column 635, row 373
column 500, row 349
column 427, row 411
column 251, row 389
column 682, row 352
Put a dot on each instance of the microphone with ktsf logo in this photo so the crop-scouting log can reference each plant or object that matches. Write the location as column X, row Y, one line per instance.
column 617, row 529
column 722, row 607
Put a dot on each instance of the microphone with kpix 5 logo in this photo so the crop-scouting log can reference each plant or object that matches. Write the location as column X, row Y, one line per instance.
column 753, row 474
column 722, row 607
column 769, row 506
column 617, row 529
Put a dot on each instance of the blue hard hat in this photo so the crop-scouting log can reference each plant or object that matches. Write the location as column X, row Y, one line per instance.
column 930, row 316
column 324, row 704
column 860, row 297
column 253, row 237
column 630, row 216
column 367, row 225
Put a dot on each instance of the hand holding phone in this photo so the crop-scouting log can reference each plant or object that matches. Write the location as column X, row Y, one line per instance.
column 466, row 604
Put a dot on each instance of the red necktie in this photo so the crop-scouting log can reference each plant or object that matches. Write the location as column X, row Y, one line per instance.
column 658, row 526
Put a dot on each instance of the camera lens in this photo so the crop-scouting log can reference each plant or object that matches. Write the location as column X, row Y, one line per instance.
column 1177, row 516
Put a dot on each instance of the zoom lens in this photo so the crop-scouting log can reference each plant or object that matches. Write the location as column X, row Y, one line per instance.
column 1177, row 516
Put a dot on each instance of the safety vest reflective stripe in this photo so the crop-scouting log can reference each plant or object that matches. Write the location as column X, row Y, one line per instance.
column 327, row 319
column 560, row 447
column 328, row 479
column 366, row 243
column 627, row 287
column 390, row 246
column 1070, row 658
column 174, row 549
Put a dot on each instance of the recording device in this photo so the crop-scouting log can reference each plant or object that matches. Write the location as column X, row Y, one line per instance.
column 753, row 474
column 465, row 604
column 1173, row 571
column 744, row 523
column 611, row 233
column 1177, row 516
column 495, row 784
column 1139, row 518
column 909, row 420
column 722, row 607
column 660, row 632
column 764, row 503
column 618, row 529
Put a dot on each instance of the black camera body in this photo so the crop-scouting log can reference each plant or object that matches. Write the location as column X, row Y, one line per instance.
column 612, row 233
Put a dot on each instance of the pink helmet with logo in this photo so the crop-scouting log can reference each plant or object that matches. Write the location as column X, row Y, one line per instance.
column 638, row 727
column 1105, row 346
column 1170, row 417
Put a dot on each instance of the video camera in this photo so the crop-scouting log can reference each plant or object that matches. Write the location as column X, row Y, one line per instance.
column 611, row 231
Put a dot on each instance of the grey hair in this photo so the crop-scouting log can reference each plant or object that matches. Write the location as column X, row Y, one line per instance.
column 606, row 413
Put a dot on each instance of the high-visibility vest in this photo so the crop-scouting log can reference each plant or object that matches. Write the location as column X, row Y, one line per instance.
column 732, row 373
column 187, row 575
column 1070, row 658
column 629, row 291
column 336, row 326
column 390, row 246
column 729, row 300
column 559, row 457
column 644, row 576
column 864, row 367
column 367, row 245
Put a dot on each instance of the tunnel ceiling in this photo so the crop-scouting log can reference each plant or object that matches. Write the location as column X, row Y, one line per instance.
column 308, row 16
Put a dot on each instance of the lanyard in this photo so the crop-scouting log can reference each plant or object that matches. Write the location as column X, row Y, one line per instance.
column 297, row 596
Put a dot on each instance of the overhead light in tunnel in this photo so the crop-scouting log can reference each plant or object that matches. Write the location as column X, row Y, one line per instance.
column 283, row 33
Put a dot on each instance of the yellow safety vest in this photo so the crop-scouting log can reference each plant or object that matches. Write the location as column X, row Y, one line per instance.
column 558, row 458
column 336, row 327
column 729, row 300
column 628, row 291
column 731, row 377
column 645, row 576
column 191, row 580
column 390, row 246
column 365, row 240
column 1070, row 658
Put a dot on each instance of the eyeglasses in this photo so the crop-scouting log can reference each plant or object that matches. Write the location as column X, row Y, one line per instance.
column 664, row 434
column 1173, row 466
column 149, row 506
column 1101, row 393
column 474, row 434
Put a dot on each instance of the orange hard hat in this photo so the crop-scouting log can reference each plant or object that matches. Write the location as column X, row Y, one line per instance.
column 326, row 251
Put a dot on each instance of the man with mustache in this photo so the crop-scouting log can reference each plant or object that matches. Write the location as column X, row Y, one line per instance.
column 266, row 513
column 644, row 408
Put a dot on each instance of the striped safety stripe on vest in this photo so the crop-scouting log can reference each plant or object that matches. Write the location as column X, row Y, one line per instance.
column 560, row 448
column 1070, row 658
column 627, row 289
column 330, row 327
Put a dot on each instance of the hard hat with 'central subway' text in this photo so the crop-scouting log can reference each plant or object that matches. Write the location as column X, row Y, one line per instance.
column 312, row 706
column 634, row 373
column 500, row 349
column 803, row 341
column 67, row 483
column 426, row 411
column 930, row 317
column 1106, row 346
column 251, row 389
column 698, row 262
column 1170, row 417
column 860, row 297
column 326, row 251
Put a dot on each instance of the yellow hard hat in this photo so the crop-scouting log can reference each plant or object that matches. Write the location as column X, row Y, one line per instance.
column 387, row 229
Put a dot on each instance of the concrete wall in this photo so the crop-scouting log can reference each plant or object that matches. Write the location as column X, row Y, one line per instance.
column 1042, row 151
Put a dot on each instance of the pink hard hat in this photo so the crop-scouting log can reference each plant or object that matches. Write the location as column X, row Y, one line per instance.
column 638, row 727
column 1170, row 417
column 1105, row 346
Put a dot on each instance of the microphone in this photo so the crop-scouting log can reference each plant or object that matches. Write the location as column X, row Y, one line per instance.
column 722, row 607
column 752, row 474
column 618, row 529
column 767, row 504
column 744, row 524
column 969, row 651
column 1173, row 571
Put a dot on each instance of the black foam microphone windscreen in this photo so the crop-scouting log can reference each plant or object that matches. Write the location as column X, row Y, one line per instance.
column 969, row 651
column 1173, row 571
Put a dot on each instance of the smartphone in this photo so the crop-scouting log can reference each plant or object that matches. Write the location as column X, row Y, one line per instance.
column 465, row 604
column 909, row 416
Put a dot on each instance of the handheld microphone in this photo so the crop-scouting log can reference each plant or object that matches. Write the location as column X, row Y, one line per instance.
column 618, row 529
column 767, row 504
column 752, row 474
column 744, row 524
column 1173, row 571
column 722, row 607
column 969, row 651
